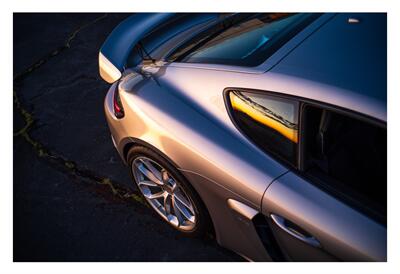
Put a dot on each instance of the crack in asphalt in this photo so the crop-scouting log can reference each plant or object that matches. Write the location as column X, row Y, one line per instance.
column 21, row 76
column 62, row 163
column 70, row 83
column 66, row 165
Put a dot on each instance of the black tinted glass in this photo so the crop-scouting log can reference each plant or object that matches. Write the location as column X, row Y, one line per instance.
column 348, row 154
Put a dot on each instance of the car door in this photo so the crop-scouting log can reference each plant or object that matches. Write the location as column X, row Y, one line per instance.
column 333, row 206
column 311, row 225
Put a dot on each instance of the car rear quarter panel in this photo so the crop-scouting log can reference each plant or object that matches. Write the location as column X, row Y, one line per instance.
column 216, row 159
column 194, row 139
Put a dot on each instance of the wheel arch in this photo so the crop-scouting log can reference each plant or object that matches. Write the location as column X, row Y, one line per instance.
column 128, row 143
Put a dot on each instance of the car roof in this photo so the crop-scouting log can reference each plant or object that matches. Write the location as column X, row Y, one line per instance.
column 340, row 59
column 347, row 52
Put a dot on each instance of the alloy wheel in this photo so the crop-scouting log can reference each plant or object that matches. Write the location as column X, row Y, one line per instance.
column 164, row 193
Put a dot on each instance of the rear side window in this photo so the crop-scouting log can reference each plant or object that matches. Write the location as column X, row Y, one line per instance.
column 247, row 43
column 341, row 152
column 347, row 154
column 271, row 122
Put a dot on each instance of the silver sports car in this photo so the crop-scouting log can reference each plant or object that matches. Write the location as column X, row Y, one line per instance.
column 268, row 130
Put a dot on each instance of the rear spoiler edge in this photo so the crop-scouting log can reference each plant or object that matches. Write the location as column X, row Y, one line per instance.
column 115, row 50
column 107, row 70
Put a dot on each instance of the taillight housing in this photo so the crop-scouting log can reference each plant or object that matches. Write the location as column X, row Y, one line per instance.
column 118, row 108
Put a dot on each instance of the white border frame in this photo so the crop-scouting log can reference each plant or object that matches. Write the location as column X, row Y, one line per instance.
column 6, row 214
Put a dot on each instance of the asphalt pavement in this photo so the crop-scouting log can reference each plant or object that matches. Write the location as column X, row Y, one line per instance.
column 73, row 197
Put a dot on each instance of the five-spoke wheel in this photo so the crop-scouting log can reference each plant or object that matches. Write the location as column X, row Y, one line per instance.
column 164, row 193
column 168, row 192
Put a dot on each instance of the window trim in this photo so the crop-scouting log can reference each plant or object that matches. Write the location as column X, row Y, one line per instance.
column 299, row 170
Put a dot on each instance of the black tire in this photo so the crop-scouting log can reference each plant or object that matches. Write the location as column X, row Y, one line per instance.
column 203, row 222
